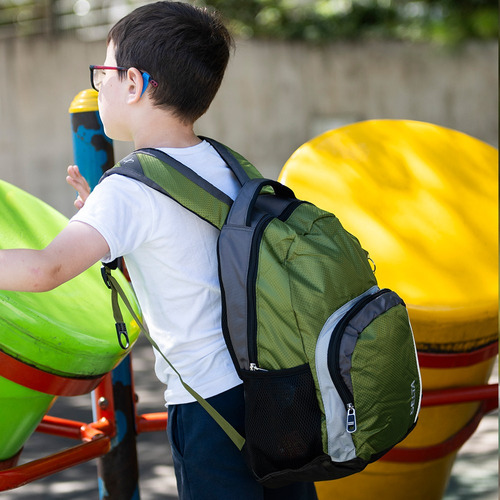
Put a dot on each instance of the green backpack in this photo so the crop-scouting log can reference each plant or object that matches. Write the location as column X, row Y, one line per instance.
column 328, row 360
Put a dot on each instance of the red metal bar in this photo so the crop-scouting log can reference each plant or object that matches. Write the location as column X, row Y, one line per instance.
column 26, row 473
column 96, row 429
column 457, row 359
column 61, row 427
column 41, row 381
column 123, row 453
column 150, row 422
column 73, row 429
column 488, row 394
column 98, row 434
column 439, row 450
column 104, row 400
column 457, row 395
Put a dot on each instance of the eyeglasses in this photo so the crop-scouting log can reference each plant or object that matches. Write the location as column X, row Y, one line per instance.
column 97, row 75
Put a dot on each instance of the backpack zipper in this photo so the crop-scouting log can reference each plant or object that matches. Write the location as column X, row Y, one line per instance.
column 251, row 282
column 255, row 368
column 251, row 299
column 333, row 359
column 225, row 329
column 289, row 209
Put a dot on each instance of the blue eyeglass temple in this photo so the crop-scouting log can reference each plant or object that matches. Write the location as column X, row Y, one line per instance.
column 145, row 78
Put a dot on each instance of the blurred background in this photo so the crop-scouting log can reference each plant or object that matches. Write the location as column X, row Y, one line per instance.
column 301, row 67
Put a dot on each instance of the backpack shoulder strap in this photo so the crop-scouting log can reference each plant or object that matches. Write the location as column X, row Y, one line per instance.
column 121, row 329
column 241, row 167
column 172, row 178
column 163, row 173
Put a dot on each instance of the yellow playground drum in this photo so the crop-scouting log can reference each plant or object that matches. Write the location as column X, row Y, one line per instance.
column 422, row 199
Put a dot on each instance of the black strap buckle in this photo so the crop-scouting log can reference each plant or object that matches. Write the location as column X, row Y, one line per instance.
column 121, row 331
column 105, row 277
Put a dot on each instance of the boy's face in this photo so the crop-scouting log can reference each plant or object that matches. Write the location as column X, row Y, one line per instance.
column 112, row 100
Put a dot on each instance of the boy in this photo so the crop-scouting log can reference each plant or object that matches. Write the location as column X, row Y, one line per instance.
column 164, row 64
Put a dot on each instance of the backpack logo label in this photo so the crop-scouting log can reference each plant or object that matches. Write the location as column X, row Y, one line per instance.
column 413, row 397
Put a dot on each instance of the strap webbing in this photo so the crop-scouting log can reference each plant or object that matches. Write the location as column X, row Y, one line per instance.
column 116, row 290
column 160, row 171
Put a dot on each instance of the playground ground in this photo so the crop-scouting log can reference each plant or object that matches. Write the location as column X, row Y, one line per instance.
column 474, row 475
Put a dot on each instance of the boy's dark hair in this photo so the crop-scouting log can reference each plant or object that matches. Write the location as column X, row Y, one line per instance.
column 184, row 48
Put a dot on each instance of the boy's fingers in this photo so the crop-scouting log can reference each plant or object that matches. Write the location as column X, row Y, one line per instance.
column 73, row 180
column 74, row 183
column 73, row 171
column 78, row 203
column 79, row 183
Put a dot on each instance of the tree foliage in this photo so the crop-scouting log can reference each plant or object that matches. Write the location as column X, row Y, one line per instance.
column 443, row 21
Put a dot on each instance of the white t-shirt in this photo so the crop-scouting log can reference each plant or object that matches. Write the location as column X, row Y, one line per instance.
column 171, row 257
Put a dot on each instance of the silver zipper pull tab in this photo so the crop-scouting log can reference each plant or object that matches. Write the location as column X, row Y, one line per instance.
column 351, row 419
column 255, row 368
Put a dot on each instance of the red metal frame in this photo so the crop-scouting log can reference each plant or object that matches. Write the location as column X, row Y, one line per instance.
column 439, row 450
column 486, row 394
column 96, row 436
column 457, row 359
column 49, row 383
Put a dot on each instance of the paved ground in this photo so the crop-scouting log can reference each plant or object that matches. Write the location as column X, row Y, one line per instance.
column 474, row 475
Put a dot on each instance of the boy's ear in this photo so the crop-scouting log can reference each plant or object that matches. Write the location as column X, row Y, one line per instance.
column 135, row 84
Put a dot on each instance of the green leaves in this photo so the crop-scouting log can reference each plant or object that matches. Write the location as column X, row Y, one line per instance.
column 440, row 21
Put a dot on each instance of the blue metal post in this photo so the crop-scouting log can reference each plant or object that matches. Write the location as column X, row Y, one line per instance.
column 118, row 474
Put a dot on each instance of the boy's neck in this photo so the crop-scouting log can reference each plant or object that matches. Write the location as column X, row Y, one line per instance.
column 163, row 130
column 169, row 139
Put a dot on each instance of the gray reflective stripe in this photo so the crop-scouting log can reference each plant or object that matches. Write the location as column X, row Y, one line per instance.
column 373, row 310
column 236, row 243
column 339, row 441
column 418, row 370
column 347, row 346
column 357, row 324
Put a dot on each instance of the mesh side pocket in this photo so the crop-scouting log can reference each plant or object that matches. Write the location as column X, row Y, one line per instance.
column 282, row 420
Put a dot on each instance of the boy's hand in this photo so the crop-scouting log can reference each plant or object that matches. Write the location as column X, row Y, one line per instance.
column 76, row 179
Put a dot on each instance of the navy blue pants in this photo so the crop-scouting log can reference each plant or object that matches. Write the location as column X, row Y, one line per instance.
column 208, row 466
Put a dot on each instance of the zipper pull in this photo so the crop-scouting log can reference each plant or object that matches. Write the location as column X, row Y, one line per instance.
column 351, row 419
column 255, row 368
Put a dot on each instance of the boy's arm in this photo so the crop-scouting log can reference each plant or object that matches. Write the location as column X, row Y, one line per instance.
column 73, row 250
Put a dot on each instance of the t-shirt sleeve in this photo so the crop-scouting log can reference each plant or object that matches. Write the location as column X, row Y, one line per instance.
column 120, row 209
